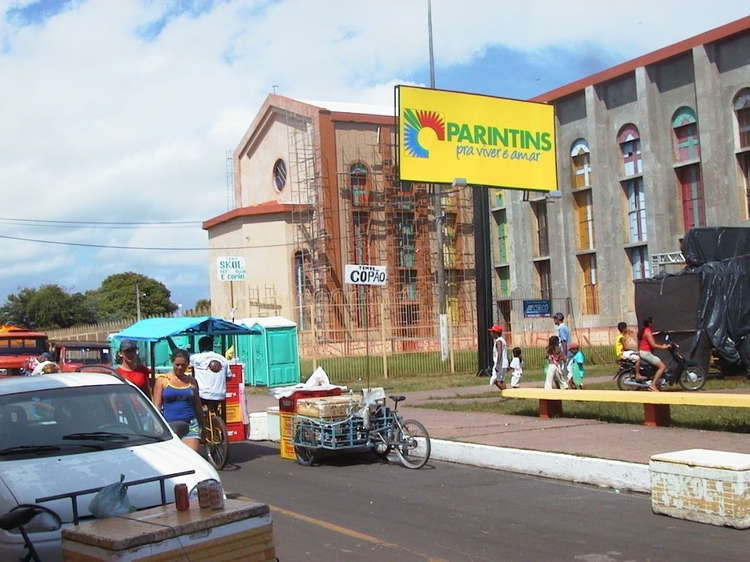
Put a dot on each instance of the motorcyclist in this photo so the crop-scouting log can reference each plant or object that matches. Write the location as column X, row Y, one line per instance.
column 647, row 344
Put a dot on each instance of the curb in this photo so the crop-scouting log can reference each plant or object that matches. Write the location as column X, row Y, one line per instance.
column 619, row 475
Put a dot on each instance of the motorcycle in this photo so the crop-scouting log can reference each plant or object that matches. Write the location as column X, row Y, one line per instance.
column 685, row 372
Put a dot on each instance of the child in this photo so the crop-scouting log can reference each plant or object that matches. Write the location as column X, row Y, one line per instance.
column 554, row 376
column 626, row 347
column 516, row 367
column 575, row 366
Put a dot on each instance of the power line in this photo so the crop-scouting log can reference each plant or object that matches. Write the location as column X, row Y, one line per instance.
column 94, row 224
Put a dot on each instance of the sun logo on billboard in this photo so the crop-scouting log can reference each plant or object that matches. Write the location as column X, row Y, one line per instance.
column 415, row 120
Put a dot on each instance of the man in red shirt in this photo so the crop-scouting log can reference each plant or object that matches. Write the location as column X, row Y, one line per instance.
column 131, row 368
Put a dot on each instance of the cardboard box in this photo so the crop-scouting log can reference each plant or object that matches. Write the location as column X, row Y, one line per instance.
column 335, row 407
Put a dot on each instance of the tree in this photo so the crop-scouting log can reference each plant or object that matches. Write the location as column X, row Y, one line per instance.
column 47, row 308
column 121, row 295
column 203, row 306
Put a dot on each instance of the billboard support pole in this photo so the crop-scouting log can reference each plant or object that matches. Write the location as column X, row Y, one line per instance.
column 437, row 196
column 483, row 274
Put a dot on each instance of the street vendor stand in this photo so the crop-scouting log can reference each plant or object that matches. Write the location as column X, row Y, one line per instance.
column 152, row 331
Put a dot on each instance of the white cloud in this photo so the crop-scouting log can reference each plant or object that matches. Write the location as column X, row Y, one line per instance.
column 101, row 121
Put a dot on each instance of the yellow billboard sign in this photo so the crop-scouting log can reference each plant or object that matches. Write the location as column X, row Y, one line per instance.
column 486, row 141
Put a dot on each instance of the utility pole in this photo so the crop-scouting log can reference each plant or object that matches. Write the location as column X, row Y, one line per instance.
column 437, row 196
column 137, row 303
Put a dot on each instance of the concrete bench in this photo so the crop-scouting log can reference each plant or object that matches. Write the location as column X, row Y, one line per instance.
column 655, row 404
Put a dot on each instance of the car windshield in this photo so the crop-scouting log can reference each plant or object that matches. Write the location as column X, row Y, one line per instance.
column 68, row 420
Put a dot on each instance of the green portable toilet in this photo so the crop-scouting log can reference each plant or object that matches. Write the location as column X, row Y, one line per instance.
column 271, row 357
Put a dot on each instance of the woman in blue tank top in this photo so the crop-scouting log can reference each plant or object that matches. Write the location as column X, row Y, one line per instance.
column 176, row 396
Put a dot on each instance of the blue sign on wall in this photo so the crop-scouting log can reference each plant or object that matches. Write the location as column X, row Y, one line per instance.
column 537, row 308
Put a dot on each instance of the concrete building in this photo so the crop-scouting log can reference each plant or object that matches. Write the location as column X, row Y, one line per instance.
column 645, row 151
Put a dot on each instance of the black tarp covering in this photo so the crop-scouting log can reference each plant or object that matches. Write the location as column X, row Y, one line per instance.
column 715, row 243
column 724, row 309
column 674, row 301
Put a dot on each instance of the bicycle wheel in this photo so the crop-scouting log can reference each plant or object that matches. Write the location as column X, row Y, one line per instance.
column 217, row 442
column 305, row 455
column 413, row 444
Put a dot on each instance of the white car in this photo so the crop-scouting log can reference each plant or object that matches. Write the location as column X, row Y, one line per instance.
column 64, row 436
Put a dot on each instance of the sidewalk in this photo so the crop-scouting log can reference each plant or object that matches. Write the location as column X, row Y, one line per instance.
column 615, row 455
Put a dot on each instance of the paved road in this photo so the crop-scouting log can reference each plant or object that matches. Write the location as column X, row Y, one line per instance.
column 356, row 509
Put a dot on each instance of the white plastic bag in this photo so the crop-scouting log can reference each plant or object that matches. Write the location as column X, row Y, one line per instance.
column 111, row 501
column 318, row 378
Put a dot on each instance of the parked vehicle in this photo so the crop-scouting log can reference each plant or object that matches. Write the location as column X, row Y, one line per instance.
column 65, row 436
column 70, row 355
column 688, row 374
column 17, row 346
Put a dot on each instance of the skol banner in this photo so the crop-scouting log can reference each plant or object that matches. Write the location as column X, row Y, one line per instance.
column 485, row 140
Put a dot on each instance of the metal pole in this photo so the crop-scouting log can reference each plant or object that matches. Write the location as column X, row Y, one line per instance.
column 483, row 268
column 438, row 206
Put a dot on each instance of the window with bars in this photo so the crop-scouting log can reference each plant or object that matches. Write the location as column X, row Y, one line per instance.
column 407, row 279
column 544, row 278
column 691, row 190
column 405, row 239
column 504, row 274
column 636, row 210
column 450, row 240
column 640, row 266
column 361, row 237
column 581, row 164
column 502, row 236
column 542, row 231
column 742, row 112
column 686, row 141
column 584, row 216
column 358, row 181
column 589, row 283
column 629, row 140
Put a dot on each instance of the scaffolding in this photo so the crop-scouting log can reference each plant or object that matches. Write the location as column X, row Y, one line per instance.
column 230, row 180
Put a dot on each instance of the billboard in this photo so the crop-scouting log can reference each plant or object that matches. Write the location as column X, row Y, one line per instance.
column 487, row 141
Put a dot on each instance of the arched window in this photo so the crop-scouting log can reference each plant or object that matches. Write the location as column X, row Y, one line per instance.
column 742, row 111
column 358, row 181
column 629, row 140
column 688, row 150
column 581, row 163
column 686, row 141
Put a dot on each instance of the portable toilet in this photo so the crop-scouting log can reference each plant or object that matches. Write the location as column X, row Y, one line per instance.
column 271, row 357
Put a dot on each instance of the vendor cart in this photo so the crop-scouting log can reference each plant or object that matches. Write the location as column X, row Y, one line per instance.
column 366, row 426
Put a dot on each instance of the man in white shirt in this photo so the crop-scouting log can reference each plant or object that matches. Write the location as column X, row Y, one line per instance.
column 211, row 371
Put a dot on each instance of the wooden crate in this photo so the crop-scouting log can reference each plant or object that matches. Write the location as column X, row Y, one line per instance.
column 241, row 531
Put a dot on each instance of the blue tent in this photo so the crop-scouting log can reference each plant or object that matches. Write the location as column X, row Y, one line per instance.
column 152, row 333
column 156, row 329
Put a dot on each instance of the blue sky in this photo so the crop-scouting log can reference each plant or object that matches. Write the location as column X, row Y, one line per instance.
column 117, row 115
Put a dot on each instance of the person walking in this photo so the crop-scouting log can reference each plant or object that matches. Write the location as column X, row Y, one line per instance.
column 131, row 367
column 563, row 334
column 516, row 368
column 176, row 396
column 211, row 371
column 499, row 357
column 553, row 373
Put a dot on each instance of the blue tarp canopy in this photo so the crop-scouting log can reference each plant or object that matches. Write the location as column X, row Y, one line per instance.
column 156, row 329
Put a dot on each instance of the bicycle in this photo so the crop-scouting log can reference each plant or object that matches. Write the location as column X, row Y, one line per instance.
column 409, row 438
column 383, row 432
column 215, row 437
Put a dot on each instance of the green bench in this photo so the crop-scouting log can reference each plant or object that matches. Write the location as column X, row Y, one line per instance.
column 655, row 404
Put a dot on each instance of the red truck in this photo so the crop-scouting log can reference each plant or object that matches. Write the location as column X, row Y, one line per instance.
column 72, row 354
column 18, row 345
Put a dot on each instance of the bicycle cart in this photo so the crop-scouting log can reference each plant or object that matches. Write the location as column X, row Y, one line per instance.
column 376, row 428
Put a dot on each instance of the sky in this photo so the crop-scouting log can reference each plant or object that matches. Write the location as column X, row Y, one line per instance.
column 116, row 116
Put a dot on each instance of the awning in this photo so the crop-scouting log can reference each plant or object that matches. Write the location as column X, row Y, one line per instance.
column 155, row 329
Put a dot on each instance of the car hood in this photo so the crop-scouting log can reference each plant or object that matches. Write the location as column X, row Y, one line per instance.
column 26, row 481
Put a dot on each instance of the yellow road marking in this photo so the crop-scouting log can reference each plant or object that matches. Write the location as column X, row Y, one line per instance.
column 351, row 533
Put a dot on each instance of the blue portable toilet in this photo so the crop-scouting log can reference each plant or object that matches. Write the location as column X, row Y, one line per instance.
column 271, row 357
